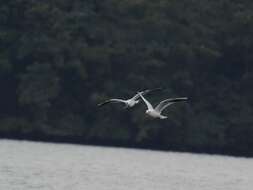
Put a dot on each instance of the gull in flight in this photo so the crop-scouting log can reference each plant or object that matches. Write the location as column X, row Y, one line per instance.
column 129, row 102
column 157, row 111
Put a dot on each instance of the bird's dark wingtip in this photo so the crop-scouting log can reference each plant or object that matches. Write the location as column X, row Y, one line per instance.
column 101, row 104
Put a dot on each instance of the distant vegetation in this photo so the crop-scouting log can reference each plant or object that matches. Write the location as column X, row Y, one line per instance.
column 59, row 58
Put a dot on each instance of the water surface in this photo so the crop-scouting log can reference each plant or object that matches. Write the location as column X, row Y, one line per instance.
column 47, row 166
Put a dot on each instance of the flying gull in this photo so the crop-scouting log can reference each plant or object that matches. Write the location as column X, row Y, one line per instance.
column 157, row 111
column 129, row 102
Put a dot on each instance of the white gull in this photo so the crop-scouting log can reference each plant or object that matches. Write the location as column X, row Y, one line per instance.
column 129, row 102
column 157, row 111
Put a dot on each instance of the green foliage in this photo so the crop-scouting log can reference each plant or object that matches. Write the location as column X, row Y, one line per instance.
column 59, row 58
column 39, row 85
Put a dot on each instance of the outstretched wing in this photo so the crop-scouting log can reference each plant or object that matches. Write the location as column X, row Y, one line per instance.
column 165, row 103
column 144, row 92
column 150, row 107
column 112, row 101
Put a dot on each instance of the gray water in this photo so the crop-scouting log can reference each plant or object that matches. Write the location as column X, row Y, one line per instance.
column 28, row 166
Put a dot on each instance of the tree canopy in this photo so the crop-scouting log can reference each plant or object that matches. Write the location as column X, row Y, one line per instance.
column 59, row 58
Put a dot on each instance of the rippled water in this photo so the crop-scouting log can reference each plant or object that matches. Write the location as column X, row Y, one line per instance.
column 28, row 166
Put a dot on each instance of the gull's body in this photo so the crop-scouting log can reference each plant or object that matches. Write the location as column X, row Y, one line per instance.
column 157, row 111
column 131, row 101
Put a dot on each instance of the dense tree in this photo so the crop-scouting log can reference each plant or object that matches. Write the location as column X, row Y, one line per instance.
column 59, row 58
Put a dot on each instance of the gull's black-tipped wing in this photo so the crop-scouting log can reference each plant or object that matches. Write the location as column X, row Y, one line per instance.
column 165, row 103
column 144, row 92
column 111, row 101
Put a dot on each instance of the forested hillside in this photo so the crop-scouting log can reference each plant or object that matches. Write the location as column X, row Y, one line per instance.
column 60, row 58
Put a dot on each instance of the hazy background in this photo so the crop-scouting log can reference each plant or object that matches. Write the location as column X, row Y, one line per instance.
column 59, row 58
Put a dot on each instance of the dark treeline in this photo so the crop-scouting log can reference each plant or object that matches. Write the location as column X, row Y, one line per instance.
column 59, row 58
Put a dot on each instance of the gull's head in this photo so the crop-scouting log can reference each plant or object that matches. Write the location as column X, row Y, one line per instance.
column 147, row 111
